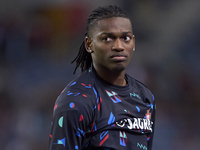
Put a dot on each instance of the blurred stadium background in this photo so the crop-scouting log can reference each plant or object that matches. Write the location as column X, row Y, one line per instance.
column 40, row 38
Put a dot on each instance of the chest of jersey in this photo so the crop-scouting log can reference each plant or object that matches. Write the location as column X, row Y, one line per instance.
column 122, row 110
column 120, row 119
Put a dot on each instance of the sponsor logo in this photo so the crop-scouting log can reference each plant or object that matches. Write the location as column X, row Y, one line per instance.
column 137, row 123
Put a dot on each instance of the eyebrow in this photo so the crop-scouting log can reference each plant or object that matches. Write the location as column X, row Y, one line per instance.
column 112, row 33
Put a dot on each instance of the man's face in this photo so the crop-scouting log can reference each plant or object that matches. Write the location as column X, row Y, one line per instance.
column 112, row 43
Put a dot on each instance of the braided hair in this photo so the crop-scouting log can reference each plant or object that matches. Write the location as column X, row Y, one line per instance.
column 84, row 59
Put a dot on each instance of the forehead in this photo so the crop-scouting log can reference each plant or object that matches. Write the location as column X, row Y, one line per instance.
column 114, row 25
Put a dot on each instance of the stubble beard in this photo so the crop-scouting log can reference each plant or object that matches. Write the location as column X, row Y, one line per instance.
column 118, row 69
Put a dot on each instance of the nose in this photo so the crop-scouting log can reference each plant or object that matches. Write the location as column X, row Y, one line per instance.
column 118, row 45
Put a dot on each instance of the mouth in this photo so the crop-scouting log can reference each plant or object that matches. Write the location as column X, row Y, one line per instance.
column 118, row 57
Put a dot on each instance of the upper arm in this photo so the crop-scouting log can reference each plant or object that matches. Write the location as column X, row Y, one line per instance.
column 71, row 118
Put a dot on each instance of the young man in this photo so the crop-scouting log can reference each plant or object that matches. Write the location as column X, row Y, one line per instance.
column 104, row 108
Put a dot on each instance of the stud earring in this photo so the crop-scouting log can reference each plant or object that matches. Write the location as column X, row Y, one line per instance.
column 90, row 51
column 134, row 49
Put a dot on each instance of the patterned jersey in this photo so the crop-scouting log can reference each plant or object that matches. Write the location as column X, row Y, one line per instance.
column 91, row 113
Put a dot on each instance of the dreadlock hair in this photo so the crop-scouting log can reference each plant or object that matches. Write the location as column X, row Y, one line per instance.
column 84, row 59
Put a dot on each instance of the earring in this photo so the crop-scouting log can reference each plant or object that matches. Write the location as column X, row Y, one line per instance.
column 134, row 49
column 90, row 51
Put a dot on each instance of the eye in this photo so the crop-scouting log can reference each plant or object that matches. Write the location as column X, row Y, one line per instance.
column 107, row 39
column 127, row 38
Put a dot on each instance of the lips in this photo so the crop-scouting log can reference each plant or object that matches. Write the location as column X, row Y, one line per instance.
column 118, row 57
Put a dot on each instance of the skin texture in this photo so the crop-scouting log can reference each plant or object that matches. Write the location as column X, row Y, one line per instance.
column 112, row 42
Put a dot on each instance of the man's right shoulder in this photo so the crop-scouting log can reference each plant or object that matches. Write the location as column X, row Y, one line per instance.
column 84, row 82
column 78, row 92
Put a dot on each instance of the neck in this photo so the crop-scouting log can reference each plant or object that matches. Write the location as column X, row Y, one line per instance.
column 113, row 77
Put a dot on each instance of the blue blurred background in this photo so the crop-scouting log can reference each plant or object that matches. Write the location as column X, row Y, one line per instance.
column 40, row 38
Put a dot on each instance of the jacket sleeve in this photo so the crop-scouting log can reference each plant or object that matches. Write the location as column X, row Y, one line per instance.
column 71, row 117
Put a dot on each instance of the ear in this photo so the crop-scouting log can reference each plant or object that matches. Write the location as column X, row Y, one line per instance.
column 88, row 44
column 133, row 42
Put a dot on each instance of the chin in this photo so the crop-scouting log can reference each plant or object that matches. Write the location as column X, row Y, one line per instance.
column 119, row 69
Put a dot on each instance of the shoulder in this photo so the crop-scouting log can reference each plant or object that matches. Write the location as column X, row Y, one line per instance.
column 136, row 82
column 140, row 88
column 77, row 94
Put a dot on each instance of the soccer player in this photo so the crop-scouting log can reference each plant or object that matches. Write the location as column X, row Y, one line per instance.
column 104, row 108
